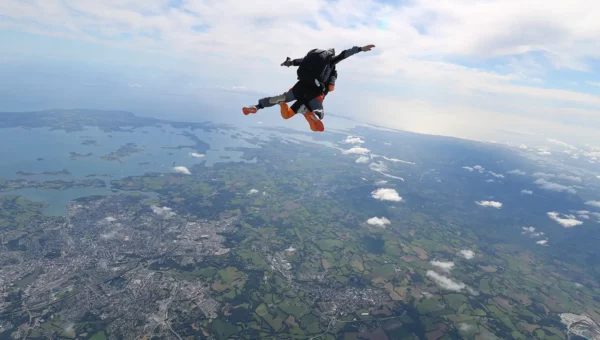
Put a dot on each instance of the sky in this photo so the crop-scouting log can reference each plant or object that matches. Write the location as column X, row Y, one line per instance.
column 504, row 70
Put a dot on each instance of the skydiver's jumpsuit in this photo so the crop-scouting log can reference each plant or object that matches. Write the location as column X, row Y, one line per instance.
column 310, row 93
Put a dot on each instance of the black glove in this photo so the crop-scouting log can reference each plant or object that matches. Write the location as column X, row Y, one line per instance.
column 287, row 62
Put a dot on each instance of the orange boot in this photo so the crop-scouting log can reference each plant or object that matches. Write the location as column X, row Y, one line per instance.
column 286, row 111
column 315, row 123
column 249, row 109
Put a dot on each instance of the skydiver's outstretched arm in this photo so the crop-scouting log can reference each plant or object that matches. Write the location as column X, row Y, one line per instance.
column 289, row 62
column 351, row 51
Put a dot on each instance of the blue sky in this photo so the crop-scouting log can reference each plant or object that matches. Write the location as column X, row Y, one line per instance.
column 503, row 70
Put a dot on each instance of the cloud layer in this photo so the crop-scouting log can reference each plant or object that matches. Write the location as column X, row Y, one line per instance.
column 593, row 203
column 517, row 172
column 551, row 186
column 476, row 57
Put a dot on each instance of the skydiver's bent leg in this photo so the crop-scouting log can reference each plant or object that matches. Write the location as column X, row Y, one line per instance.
column 269, row 101
column 298, row 107
column 315, row 114
column 286, row 111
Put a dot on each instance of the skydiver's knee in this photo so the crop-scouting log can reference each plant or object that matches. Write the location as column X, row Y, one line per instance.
column 277, row 99
column 289, row 96
column 320, row 113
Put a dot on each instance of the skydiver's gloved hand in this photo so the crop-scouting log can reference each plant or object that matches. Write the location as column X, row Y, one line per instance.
column 367, row 48
column 287, row 62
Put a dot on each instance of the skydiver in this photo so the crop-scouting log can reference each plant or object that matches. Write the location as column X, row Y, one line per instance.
column 316, row 77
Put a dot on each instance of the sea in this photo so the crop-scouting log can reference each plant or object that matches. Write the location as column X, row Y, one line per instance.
column 43, row 150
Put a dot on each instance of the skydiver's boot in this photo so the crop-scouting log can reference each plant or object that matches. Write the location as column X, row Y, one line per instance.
column 315, row 123
column 286, row 111
column 249, row 109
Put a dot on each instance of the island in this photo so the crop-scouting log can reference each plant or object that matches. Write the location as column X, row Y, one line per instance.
column 124, row 151
column 58, row 184
column 75, row 155
column 64, row 172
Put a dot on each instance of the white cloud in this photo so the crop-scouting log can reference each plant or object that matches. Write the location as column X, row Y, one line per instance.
column 467, row 168
column 182, row 170
column 491, row 204
column 544, row 152
column 134, row 85
column 353, row 140
column 378, row 221
column 517, row 172
column 363, row 159
column 542, row 242
column 495, row 174
column 561, row 143
column 396, row 160
column 445, row 282
column 382, row 169
column 467, row 254
column 196, row 155
column 357, row 150
column 567, row 221
column 593, row 203
column 381, row 182
column 575, row 179
column 531, row 232
column 490, row 180
column 598, row 177
column 528, row 229
column 392, row 176
column 252, row 192
column 543, row 175
column 110, row 219
column 110, row 235
column 551, row 186
column 465, row 328
column 526, row 192
column 444, row 266
column 386, row 194
column 479, row 168
column 165, row 212
column 472, row 291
